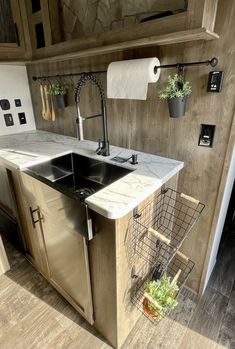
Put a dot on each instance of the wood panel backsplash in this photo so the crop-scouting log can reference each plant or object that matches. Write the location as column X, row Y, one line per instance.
column 146, row 126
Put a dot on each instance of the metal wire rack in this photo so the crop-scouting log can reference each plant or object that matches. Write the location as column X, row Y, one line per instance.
column 159, row 229
column 180, row 264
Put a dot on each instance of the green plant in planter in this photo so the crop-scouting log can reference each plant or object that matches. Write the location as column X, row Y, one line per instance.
column 57, row 90
column 163, row 292
column 176, row 87
column 59, row 94
column 176, row 93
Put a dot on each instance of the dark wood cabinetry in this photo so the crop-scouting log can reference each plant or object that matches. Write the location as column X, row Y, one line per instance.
column 36, row 31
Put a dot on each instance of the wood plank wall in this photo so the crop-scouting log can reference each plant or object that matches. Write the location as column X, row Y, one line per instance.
column 146, row 126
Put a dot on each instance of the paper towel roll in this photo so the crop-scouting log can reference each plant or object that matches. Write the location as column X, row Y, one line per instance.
column 129, row 79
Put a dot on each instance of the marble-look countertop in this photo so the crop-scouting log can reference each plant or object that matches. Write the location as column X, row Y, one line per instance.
column 114, row 201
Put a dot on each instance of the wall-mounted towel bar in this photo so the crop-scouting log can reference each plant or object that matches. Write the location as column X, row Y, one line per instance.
column 180, row 66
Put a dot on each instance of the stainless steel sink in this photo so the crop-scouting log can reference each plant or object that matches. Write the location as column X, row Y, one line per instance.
column 77, row 175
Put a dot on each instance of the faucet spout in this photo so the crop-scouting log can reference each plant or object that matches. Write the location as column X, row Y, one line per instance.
column 103, row 148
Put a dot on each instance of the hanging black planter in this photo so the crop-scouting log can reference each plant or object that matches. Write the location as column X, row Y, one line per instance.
column 61, row 101
column 177, row 106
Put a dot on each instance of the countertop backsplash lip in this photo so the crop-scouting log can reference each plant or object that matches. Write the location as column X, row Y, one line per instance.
column 29, row 148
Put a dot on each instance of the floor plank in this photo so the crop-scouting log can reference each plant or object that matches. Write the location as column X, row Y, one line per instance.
column 34, row 315
column 206, row 321
column 227, row 331
column 223, row 276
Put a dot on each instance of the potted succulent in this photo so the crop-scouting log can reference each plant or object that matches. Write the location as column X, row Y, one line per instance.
column 176, row 93
column 160, row 296
column 59, row 93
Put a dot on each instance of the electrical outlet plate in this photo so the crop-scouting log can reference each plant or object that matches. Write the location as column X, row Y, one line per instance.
column 8, row 120
column 206, row 136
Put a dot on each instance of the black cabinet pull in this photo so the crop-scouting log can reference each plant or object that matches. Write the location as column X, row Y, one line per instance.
column 17, row 35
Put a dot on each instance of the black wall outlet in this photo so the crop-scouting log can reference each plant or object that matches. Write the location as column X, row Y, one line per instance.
column 5, row 104
column 22, row 118
column 206, row 136
column 8, row 119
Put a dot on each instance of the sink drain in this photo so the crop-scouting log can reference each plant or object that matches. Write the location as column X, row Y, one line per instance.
column 84, row 192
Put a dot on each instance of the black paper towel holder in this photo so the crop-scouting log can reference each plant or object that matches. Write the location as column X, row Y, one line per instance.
column 180, row 66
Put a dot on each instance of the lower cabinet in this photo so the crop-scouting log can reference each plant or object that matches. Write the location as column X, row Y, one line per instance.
column 54, row 244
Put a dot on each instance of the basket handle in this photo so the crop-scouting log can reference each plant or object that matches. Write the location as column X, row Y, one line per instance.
column 176, row 277
column 151, row 300
column 189, row 198
column 159, row 236
column 181, row 255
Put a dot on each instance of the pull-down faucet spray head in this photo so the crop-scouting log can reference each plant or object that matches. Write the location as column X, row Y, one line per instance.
column 103, row 148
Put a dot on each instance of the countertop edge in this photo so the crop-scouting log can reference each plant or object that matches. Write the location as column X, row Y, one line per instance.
column 128, row 208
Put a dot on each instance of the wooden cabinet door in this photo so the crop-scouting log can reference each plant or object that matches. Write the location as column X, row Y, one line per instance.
column 69, row 264
column 32, row 229
column 12, row 41
column 66, row 248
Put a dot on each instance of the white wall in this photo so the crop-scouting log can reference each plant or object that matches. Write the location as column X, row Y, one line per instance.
column 14, row 85
column 222, row 216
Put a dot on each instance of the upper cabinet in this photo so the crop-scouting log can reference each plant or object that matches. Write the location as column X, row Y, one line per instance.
column 12, row 41
column 65, row 29
column 43, row 22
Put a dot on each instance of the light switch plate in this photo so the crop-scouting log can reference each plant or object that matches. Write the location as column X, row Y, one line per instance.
column 22, row 118
column 17, row 102
column 8, row 120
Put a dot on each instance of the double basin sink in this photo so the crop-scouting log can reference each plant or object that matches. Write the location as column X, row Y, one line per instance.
column 76, row 175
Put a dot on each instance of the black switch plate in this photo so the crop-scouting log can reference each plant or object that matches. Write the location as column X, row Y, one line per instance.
column 17, row 102
column 206, row 135
column 8, row 119
column 215, row 81
column 22, row 118
column 5, row 104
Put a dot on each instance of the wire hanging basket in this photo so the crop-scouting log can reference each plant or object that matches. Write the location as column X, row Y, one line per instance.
column 159, row 229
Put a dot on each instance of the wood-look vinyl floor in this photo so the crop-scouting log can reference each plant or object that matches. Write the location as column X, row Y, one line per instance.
column 34, row 315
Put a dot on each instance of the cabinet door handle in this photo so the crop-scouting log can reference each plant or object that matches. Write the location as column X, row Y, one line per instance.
column 32, row 217
column 17, row 35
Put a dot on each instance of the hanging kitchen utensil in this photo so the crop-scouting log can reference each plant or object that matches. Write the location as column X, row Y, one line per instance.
column 52, row 108
column 47, row 115
column 42, row 99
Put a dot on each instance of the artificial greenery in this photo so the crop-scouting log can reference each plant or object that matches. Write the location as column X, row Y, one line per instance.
column 57, row 90
column 164, row 292
column 176, row 87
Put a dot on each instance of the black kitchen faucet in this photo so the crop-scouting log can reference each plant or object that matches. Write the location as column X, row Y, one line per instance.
column 103, row 146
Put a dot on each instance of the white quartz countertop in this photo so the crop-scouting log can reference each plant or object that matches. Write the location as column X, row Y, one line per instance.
column 114, row 201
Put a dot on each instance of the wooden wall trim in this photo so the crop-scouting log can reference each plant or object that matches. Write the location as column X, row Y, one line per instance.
column 165, row 39
column 223, row 180
column 202, row 13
